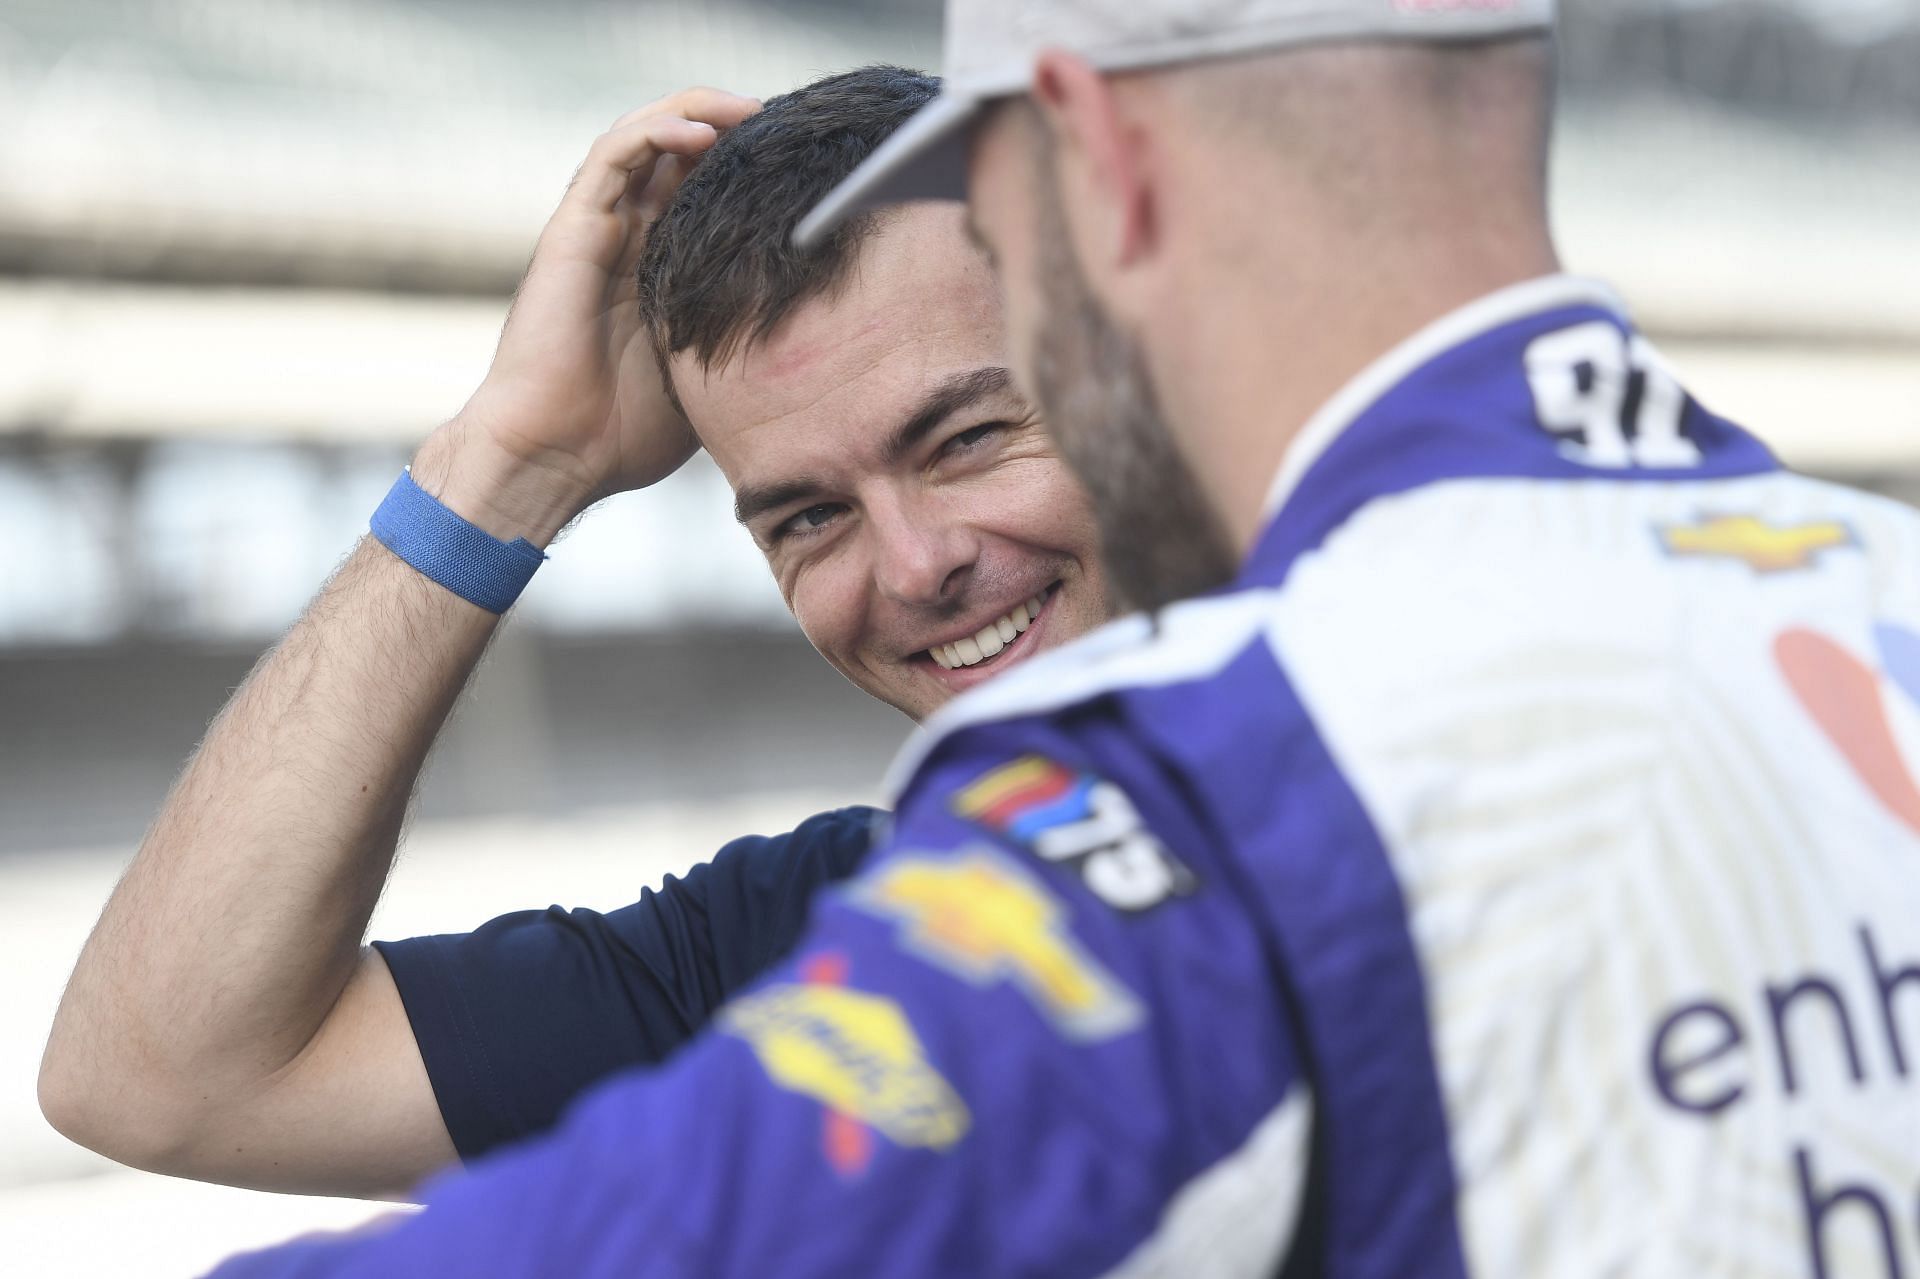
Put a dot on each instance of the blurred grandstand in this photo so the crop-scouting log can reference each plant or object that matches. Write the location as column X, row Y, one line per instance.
column 252, row 250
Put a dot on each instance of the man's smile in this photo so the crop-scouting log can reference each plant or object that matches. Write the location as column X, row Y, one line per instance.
column 964, row 659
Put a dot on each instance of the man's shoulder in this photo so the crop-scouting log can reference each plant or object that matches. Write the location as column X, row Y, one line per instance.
column 828, row 845
column 852, row 823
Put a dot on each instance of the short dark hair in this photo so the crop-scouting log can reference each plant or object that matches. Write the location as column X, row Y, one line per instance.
column 719, row 271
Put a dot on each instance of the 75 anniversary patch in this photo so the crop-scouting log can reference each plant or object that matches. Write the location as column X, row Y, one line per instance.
column 1076, row 819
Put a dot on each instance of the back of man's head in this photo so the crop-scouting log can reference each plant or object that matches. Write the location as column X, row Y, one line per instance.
column 720, row 271
column 1383, row 131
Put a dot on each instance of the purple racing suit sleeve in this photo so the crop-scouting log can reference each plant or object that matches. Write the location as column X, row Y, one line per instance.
column 1040, row 1034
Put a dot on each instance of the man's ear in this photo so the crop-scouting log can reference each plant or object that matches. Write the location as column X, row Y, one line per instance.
column 1105, row 183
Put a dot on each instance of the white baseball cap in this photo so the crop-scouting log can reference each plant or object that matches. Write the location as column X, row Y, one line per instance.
column 991, row 46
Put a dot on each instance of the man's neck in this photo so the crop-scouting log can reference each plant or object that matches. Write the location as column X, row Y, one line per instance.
column 1260, row 349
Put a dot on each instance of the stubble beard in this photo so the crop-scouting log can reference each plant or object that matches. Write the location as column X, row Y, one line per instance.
column 1161, row 539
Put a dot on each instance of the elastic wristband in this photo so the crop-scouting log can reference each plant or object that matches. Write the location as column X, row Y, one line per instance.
column 469, row 561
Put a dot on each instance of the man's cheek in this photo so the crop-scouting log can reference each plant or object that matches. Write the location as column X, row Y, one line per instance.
column 828, row 618
column 804, row 607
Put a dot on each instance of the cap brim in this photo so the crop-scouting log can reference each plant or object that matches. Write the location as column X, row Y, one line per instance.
column 925, row 159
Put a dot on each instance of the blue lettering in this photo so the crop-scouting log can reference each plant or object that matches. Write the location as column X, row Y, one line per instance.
column 1667, row 1071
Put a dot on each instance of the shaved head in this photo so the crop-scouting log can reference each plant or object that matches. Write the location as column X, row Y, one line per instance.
column 1386, row 133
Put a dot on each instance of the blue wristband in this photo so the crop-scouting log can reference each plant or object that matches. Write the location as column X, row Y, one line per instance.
column 469, row 561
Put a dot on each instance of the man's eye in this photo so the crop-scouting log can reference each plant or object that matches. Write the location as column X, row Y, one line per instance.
column 973, row 437
column 807, row 522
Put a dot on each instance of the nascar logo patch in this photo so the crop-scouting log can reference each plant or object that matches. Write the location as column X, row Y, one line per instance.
column 1076, row 819
column 1026, row 797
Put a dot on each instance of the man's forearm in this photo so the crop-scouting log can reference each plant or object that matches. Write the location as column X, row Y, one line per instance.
column 223, row 1021
column 232, row 935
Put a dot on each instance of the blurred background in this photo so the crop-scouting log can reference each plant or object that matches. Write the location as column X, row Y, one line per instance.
column 252, row 250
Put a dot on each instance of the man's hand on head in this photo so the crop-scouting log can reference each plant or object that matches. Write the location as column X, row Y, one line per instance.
column 574, row 407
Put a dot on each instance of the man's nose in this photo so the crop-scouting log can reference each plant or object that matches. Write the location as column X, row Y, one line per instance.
column 922, row 557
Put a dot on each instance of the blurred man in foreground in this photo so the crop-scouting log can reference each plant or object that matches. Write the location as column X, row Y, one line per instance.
column 224, row 1022
column 1507, row 868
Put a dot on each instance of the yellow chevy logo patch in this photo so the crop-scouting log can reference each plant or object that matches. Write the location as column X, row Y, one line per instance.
column 855, row 1053
column 984, row 919
column 1763, row 547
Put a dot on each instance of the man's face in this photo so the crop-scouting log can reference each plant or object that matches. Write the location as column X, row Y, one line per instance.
column 909, row 503
column 1163, row 539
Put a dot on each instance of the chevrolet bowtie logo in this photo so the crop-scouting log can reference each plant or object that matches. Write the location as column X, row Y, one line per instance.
column 1762, row 547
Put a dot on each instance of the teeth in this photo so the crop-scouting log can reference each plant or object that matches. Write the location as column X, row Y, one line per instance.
column 989, row 639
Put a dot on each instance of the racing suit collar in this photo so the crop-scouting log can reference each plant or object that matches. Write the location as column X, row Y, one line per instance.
column 1483, row 314
column 1460, row 400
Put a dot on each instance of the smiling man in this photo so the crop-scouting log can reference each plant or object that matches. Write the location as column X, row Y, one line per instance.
column 914, row 512
column 224, row 1021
